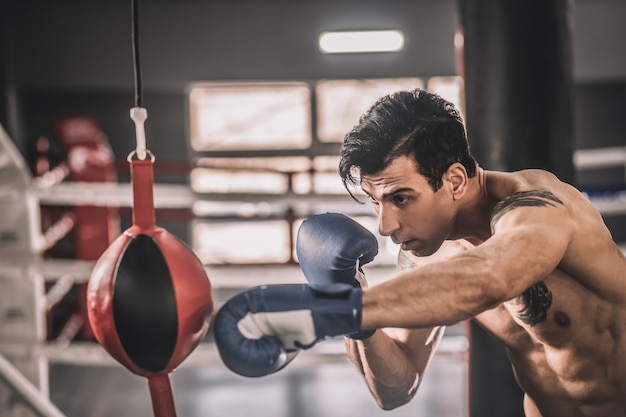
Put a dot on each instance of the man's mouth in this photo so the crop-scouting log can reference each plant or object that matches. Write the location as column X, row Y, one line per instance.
column 407, row 245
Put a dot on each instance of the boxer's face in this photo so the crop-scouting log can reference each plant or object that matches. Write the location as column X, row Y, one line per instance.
column 409, row 211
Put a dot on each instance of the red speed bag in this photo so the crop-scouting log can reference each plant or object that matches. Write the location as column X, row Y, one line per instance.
column 149, row 298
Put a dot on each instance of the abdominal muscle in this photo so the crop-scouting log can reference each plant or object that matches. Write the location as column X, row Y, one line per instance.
column 573, row 363
column 558, row 383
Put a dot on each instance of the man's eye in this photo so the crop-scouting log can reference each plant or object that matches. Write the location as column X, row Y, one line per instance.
column 399, row 199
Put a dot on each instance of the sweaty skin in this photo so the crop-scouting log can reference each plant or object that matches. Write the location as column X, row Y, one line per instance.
column 518, row 230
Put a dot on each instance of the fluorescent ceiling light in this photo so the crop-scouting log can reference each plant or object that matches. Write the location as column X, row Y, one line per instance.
column 361, row 41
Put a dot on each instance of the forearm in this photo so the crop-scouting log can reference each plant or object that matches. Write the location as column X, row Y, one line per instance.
column 432, row 295
column 384, row 370
column 393, row 370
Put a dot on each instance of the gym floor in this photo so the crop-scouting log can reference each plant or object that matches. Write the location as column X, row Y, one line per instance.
column 303, row 389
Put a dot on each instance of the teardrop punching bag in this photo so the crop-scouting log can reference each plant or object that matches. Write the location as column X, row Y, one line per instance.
column 516, row 62
column 149, row 299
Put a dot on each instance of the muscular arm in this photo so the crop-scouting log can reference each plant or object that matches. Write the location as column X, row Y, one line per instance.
column 529, row 238
column 393, row 362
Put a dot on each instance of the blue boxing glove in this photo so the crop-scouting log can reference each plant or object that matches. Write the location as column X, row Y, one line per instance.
column 259, row 331
column 331, row 249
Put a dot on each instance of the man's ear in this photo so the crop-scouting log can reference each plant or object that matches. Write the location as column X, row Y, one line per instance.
column 456, row 176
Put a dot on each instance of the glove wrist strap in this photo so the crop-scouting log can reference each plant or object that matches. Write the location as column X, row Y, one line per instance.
column 360, row 335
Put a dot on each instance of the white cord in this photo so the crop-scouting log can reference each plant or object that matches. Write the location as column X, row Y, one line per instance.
column 139, row 116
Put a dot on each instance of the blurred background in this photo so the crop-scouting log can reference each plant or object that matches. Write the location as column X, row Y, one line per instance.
column 246, row 113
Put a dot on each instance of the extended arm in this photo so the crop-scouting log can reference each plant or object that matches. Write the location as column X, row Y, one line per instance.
column 527, row 244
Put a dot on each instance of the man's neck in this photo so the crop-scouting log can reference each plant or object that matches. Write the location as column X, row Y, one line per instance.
column 474, row 216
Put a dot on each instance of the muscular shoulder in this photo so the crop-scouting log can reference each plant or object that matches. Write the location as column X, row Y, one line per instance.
column 563, row 222
column 528, row 188
column 501, row 185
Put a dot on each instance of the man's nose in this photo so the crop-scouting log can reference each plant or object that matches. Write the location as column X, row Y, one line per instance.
column 387, row 222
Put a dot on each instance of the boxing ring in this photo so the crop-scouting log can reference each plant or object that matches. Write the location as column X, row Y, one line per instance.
column 31, row 284
column 25, row 352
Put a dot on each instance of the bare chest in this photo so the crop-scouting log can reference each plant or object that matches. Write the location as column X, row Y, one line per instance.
column 574, row 347
column 560, row 313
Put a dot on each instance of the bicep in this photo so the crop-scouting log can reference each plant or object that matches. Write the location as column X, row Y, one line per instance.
column 528, row 243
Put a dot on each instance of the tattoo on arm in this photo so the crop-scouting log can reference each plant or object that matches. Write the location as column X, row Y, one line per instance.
column 534, row 198
column 537, row 299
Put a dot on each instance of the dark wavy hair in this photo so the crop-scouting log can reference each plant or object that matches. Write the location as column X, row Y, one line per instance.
column 415, row 123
